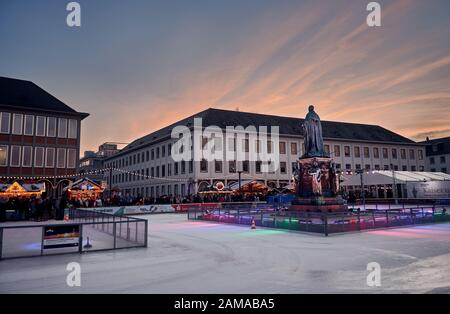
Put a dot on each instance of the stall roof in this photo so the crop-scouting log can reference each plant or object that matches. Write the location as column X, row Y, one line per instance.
column 401, row 177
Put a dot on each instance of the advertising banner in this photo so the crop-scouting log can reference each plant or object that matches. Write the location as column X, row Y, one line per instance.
column 430, row 190
column 61, row 236
column 135, row 210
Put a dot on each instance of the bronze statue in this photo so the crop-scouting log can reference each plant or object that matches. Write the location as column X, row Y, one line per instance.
column 313, row 135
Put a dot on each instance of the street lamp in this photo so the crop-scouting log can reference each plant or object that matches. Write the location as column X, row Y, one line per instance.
column 394, row 187
column 363, row 190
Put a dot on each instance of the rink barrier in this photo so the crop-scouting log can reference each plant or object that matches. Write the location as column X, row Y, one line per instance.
column 106, row 232
column 322, row 223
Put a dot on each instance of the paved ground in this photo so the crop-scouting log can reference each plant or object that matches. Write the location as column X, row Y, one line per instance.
column 199, row 257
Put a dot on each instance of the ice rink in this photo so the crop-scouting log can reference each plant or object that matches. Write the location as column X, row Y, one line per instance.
column 198, row 257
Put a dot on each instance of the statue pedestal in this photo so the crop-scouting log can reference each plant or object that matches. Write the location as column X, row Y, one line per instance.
column 317, row 187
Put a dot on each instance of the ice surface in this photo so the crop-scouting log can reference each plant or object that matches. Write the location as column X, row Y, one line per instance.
column 199, row 257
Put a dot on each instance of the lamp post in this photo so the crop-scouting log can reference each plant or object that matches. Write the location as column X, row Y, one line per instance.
column 363, row 191
column 394, row 187
column 240, row 178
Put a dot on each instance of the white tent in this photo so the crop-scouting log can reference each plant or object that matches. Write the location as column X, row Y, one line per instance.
column 401, row 177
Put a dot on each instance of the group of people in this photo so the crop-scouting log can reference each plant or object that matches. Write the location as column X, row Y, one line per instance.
column 38, row 208
column 43, row 207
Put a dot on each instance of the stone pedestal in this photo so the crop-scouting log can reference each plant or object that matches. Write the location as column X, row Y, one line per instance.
column 317, row 187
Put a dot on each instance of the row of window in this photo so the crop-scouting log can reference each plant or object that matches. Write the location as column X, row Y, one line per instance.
column 283, row 167
column 375, row 152
column 40, row 157
column 140, row 157
column 19, row 124
column 156, row 172
column 442, row 160
column 160, row 152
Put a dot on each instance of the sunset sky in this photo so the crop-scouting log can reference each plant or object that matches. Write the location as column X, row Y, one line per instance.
column 138, row 65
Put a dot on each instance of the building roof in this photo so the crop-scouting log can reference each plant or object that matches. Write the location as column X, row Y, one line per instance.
column 401, row 177
column 288, row 126
column 25, row 95
column 439, row 146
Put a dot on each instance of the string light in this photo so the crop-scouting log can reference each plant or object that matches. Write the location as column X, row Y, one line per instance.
column 92, row 172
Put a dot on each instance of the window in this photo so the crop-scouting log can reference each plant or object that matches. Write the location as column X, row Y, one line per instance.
column 157, row 171
column 357, row 152
column 294, row 149
column 61, row 158
column 337, row 151
column 29, row 125
column 326, row 148
column 412, row 155
column 432, row 160
column 183, row 167
column 347, row 151
column 157, row 153
column 394, row 153
column 62, row 128
column 377, row 167
column 163, row 171
column 245, row 166
column 246, row 145
column 420, row 154
column 5, row 122
column 269, row 147
column 191, row 166
column 421, row 168
column 442, row 159
column 366, row 152
column 218, row 166
column 15, row 156
column 367, row 167
column 413, row 168
column 283, row 148
column 404, row 168
column 27, row 156
column 163, row 151
column 294, row 166
column 258, row 166
column 50, row 158
column 358, row 167
column 3, row 155
column 348, row 167
column 51, row 126
column 175, row 167
column 403, row 153
column 385, row 153
column 169, row 170
column 203, row 166
column 283, row 167
column 376, row 153
column 153, row 154
column 17, row 124
column 40, row 126
column 232, row 166
column 152, row 171
column 73, row 129
column 71, row 158
column 444, row 170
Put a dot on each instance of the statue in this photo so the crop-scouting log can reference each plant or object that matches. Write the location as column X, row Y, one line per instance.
column 313, row 135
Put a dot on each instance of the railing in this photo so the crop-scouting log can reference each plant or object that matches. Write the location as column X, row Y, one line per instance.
column 323, row 223
column 86, row 231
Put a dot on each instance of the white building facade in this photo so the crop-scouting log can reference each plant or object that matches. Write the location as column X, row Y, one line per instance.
column 146, row 167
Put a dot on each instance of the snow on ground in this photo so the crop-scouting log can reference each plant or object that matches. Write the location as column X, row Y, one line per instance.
column 199, row 257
